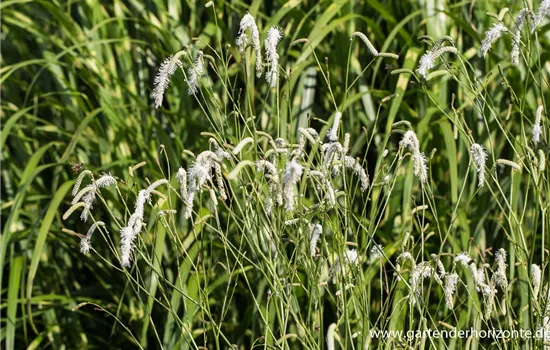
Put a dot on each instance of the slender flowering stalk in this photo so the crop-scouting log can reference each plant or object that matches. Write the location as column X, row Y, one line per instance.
column 410, row 141
column 162, row 79
column 291, row 176
column 479, row 156
column 543, row 11
column 516, row 34
column 274, row 35
column 316, row 231
column 537, row 128
column 491, row 36
column 248, row 23
column 367, row 42
column 85, row 242
column 194, row 73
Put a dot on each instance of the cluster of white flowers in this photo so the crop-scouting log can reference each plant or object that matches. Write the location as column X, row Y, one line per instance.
column 498, row 279
column 410, row 141
column 86, row 197
column 274, row 35
column 479, row 155
column 521, row 19
column 349, row 258
column 249, row 24
column 162, row 79
column 537, row 127
column 316, row 231
column 427, row 61
column 491, row 36
column 85, row 242
column 195, row 72
column 132, row 229
column 544, row 10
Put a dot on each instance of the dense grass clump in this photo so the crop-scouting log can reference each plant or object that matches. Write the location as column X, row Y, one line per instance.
column 180, row 175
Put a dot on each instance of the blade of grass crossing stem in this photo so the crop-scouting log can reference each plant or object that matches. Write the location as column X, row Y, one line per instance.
column 154, row 280
column 451, row 157
column 175, row 301
column 41, row 240
column 13, row 291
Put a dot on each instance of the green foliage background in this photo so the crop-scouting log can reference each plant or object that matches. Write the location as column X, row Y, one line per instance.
column 76, row 83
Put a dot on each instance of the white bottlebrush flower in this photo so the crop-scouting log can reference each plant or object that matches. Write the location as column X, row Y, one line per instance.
column 537, row 127
column 405, row 255
column 88, row 193
column 419, row 272
column 132, row 229
column 440, row 268
column 105, row 180
column 350, row 257
column 367, row 42
column 330, row 336
column 376, row 253
column 449, row 289
column 79, row 180
column 489, row 292
column 201, row 172
column 241, row 145
column 491, row 36
column 162, row 79
column 544, row 10
column 536, row 276
column 352, row 163
column 516, row 34
column 479, row 156
column 274, row 184
column 427, row 62
column 463, row 259
column 181, row 178
column 499, row 276
column 291, row 176
column 333, row 133
column 410, row 141
column 248, row 23
column 274, row 35
column 316, row 231
column 85, row 242
column 329, row 190
column 195, row 73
